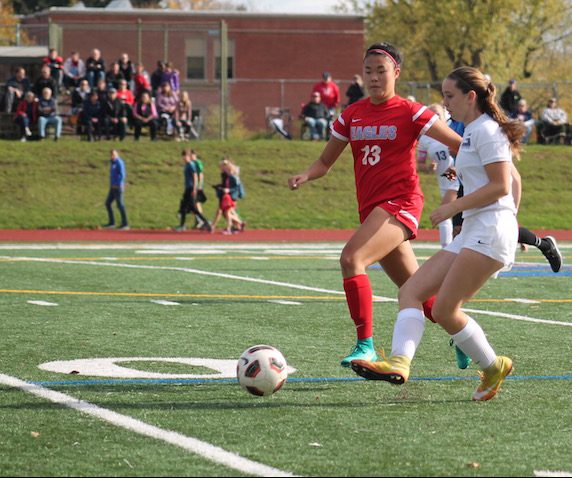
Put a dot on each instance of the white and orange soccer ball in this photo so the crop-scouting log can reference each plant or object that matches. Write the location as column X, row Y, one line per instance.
column 262, row 370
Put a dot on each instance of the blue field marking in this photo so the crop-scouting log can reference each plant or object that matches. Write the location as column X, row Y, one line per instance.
column 176, row 381
column 526, row 270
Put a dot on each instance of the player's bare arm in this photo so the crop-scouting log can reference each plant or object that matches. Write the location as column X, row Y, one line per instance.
column 499, row 175
column 321, row 166
column 441, row 132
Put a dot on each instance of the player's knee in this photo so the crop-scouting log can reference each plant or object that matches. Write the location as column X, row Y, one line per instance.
column 350, row 262
column 441, row 311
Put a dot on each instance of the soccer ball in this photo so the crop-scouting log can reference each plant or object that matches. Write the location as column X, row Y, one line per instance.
column 261, row 370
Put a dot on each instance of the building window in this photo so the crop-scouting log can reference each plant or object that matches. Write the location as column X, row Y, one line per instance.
column 230, row 59
column 195, row 50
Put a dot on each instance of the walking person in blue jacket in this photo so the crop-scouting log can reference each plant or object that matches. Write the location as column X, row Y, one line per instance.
column 117, row 176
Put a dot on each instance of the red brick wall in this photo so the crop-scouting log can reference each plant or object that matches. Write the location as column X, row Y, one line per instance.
column 294, row 49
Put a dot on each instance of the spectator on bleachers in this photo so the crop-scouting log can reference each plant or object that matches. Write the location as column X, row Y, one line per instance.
column 166, row 102
column 355, row 91
column 126, row 67
column 171, row 76
column 523, row 114
column 45, row 81
column 102, row 90
column 74, row 71
column 48, row 114
column 114, row 75
column 157, row 78
column 145, row 115
column 95, row 68
column 329, row 92
column 56, row 64
column 91, row 117
column 554, row 122
column 114, row 116
column 125, row 94
column 184, row 117
column 316, row 116
column 510, row 98
column 141, row 80
column 80, row 95
column 26, row 115
column 16, row 88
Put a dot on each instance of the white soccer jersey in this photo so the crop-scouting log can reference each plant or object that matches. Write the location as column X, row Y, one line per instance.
column 483, row 143
column 439, row 154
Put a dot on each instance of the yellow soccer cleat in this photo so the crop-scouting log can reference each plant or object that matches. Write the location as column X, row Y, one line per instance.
column 394, row 370
column 492, row 378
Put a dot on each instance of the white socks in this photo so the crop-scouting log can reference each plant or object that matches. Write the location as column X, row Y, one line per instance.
column 446, row 232
column 473, row 342
column 407, row 332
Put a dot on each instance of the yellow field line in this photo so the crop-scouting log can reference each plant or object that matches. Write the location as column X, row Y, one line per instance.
column 235, row 296
column 150, row 294
column 174, row 258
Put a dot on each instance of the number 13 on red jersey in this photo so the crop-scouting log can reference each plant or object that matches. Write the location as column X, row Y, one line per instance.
column 371, row 155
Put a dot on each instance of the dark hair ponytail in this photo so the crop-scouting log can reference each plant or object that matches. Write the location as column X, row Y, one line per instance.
column 470, row 79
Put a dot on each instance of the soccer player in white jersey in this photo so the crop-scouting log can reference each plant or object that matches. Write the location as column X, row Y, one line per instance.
column 382, row 131
column 486, row 244
column 440, row 161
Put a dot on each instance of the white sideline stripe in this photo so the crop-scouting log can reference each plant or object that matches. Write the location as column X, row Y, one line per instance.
column 524, row 318
column 285, row 302
column 141, row 247
column 165, row 302
column 552, row 473
column 42, row 302
column 192, row 271
column 193, row 445
column 281, row 284
column 524, row 301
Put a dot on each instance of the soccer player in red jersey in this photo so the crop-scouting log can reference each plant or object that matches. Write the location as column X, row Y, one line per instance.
column 382, row 131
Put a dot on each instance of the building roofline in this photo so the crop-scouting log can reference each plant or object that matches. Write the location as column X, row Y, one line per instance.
column 196, row 13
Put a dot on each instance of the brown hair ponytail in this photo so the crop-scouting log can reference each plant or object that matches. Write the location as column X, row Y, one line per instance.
column 470, row 79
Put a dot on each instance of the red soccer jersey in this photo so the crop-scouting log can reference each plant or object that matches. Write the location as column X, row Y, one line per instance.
column 383, row 139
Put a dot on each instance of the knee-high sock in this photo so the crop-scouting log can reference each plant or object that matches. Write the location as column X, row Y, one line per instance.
column 407, row 332
column 360, row 302
column 474, row 343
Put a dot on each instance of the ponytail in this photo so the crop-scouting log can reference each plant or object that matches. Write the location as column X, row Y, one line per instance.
column 470, row 79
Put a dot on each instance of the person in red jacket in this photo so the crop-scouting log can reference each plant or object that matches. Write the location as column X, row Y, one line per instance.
column 56, row 64
column 329, row 92
column 26, row 115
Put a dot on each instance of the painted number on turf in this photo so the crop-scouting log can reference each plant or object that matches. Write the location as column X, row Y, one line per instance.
column 371, row 155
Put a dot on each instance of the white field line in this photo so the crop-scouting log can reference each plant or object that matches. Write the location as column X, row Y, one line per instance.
column 285, row 302
column 523, row 318
column 552, row 473
column 42, row 303
column 165, row 302
column 269, row 282
column 192, row 271
column 193, row 445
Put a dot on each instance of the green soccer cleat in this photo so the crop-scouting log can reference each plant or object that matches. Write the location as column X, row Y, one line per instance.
column 492, row 378
column 362, row 351
column 463, row 360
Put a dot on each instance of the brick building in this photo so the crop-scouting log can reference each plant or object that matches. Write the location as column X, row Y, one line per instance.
column 273, row 59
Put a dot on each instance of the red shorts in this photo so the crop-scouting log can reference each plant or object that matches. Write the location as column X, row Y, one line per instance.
column 406, row 210
column 226, row 202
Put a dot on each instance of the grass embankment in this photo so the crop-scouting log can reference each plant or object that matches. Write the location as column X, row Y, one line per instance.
column 64, row 184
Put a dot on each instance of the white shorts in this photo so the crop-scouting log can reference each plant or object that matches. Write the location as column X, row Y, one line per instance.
column 491, row 233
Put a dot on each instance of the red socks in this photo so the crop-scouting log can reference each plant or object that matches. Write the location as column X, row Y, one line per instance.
column 360, row 302
column 428, row 308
